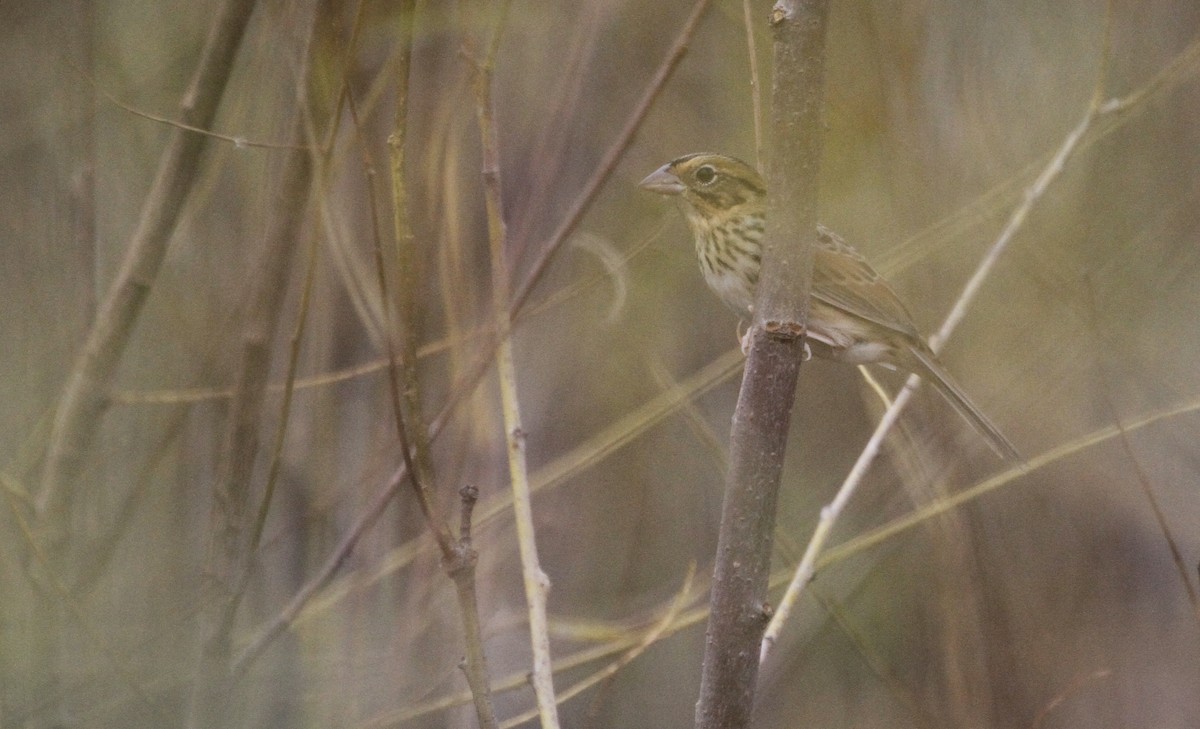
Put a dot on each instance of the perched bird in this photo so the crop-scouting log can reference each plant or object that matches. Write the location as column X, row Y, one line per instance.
column 854, row 314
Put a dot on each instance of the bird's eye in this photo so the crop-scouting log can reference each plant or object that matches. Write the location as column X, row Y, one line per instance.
column 706, row 175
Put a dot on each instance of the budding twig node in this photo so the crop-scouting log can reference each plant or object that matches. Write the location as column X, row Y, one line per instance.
column 783, row 330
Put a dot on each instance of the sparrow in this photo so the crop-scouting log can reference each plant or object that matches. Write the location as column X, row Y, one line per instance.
column 854, row 316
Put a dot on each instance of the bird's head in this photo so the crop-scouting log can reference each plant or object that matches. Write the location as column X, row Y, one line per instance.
column 712, row 184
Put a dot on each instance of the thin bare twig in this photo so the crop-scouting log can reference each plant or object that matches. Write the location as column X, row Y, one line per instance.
column 285, row 617
column 829, row 516
column 291, row 201
column 755, row 88
column 649, row 639
column 458, row 556
column 239, row 142
column 289, row 390
column 227, row 556
column 194, row 395
column 537, row 583
column 408, row 279
column 462, row 570
column 1161, row 519
column 610, row 159
column 422, row 489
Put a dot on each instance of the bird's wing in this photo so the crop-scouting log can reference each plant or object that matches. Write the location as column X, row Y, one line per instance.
column 844, row 280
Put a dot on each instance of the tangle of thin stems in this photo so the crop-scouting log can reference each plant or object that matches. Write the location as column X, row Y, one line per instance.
column 831, row 512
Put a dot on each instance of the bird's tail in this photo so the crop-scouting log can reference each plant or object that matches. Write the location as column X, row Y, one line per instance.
column 931, row 370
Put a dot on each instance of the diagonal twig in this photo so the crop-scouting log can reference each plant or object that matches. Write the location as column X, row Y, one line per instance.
column 84, row 400
column 830, row 513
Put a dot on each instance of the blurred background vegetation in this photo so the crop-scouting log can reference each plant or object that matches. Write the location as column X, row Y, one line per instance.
column 1064, row 597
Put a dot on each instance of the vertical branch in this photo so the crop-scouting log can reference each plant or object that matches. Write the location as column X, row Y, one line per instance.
column 462, row 570
column 460, row 558
column 422, row 486
column 537, row 584
column 763, row 414
column 797, row 123
column 408, row 276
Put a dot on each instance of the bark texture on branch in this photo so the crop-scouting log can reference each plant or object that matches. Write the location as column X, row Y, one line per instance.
column 740, row 611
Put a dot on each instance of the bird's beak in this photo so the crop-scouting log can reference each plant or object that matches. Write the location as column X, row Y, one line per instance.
column 663, row 181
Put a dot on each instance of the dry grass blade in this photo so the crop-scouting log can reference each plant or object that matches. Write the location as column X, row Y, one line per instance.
column 881, row 534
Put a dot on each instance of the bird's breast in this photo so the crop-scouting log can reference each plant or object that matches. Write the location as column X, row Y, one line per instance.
column 730, row 261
